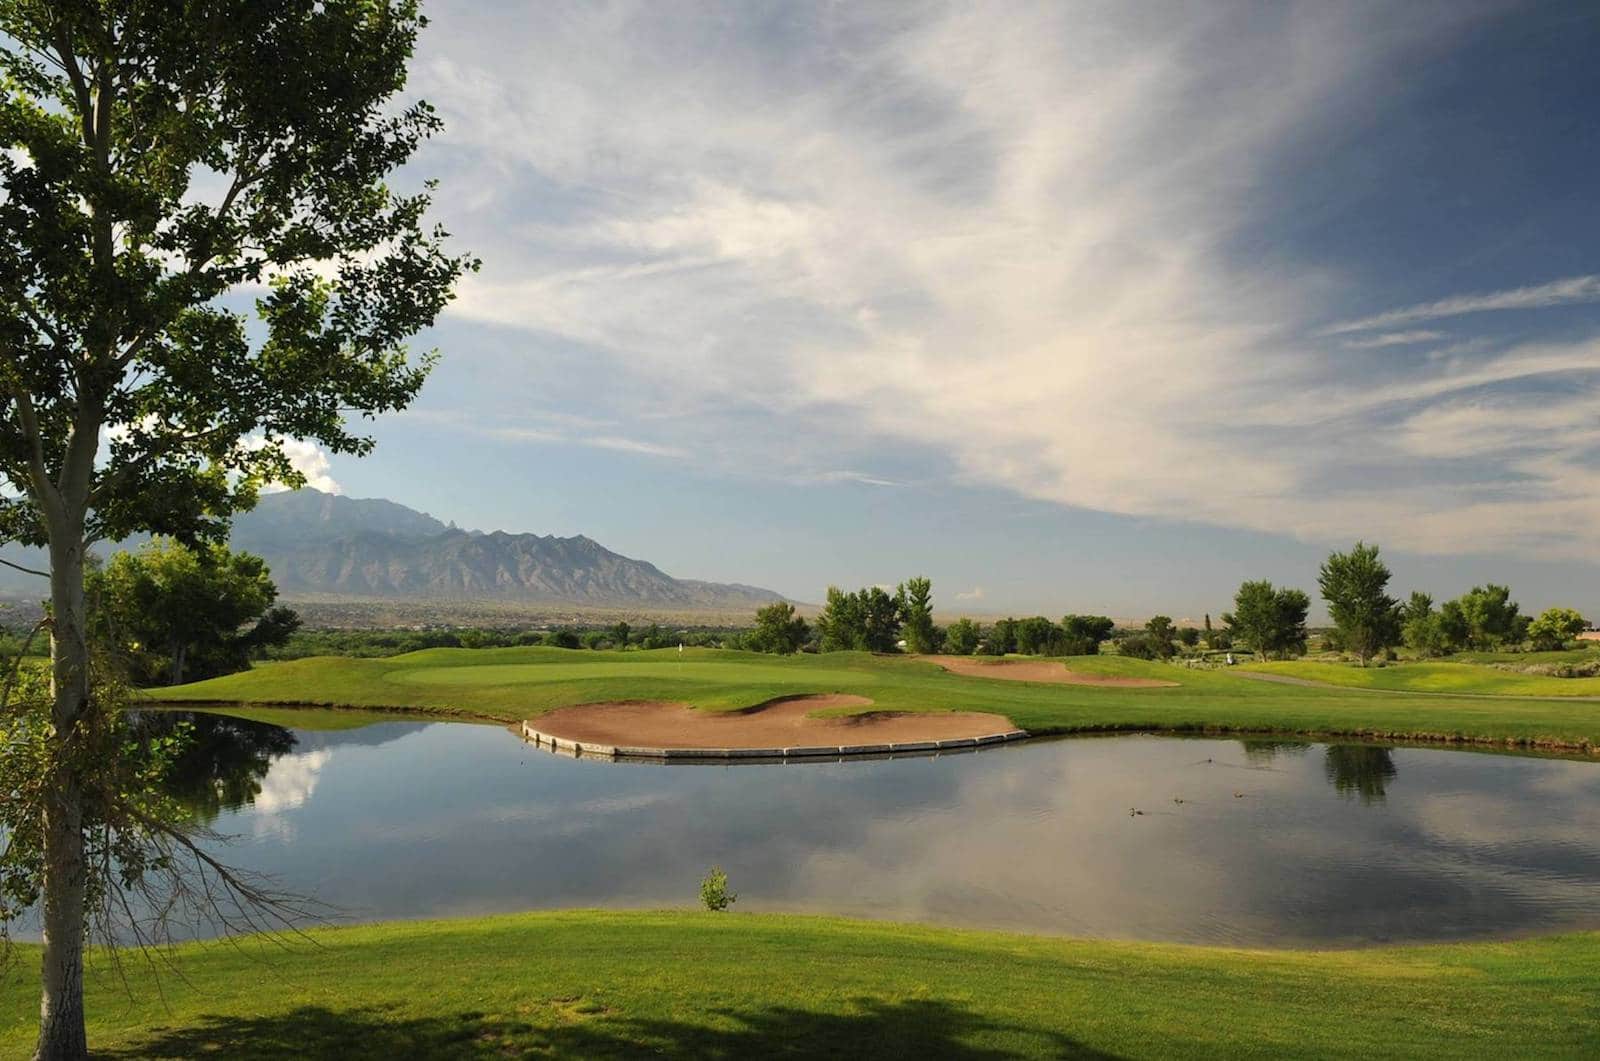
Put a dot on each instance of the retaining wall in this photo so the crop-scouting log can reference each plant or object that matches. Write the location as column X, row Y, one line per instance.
column 588, row 749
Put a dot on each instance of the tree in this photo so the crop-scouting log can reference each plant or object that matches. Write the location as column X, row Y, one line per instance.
column 1160, row 631
column 1555, row 627
column 619, row 633
column 160, row 159
column 1353, row 584
column 916, row 606
column 779, row 628
column 867, row 620
column 1002, row 638
column 562, row 638
column 1210, row 634
column 175, row 613
column 1038, row 636
column 1270, row 621
column 1189, row 637
column 1484, row 618
column 1422, row 628
column 962, row 637
column 1084, row 634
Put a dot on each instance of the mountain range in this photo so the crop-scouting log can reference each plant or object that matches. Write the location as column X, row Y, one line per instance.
column 320, row 544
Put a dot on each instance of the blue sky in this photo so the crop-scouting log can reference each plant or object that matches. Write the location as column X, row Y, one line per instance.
column 1070, row 307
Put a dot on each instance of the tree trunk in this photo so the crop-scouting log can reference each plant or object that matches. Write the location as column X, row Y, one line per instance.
column 61, row 1029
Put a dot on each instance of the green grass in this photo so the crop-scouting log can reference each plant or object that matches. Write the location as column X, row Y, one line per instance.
column 609, row 984
column 1522, row 659
column 1437, row 677
column 517, row 683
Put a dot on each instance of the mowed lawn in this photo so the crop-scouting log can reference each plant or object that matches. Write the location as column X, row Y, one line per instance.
column 1441, row 677
column 692, row 985
column 517, row 683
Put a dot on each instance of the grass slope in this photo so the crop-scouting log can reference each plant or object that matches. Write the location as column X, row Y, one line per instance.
column 1436, row 677
column 516, row 683
column 599, row 984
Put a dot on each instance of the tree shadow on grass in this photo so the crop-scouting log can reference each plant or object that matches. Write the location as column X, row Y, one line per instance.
column 571, row 1029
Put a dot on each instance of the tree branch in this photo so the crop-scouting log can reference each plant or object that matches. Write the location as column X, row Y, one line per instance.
column 24, row 570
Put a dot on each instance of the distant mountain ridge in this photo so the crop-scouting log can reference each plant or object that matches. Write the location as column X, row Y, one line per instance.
column 319, row 543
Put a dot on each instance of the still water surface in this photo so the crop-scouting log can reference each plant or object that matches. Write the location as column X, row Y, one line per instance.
column 1257, row 843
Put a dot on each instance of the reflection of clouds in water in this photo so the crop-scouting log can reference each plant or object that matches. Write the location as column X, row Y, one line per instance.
column 1036, row 836
column 289, row 783
column 1052, row 846
column 1284, row 858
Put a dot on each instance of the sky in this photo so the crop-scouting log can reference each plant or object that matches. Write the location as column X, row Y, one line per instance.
column 1071, row 307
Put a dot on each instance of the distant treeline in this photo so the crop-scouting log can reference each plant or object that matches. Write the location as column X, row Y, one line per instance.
column 376, row 643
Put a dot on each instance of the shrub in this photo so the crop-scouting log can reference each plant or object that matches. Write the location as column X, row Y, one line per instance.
column 962, row 637
column 1139, row 646
column 714, row 891
column 562, row 639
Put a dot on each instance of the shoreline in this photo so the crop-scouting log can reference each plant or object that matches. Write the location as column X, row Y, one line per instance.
column 1582, row 750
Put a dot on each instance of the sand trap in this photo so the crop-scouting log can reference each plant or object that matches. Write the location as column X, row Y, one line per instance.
column 779, row 724
column 1021, row 670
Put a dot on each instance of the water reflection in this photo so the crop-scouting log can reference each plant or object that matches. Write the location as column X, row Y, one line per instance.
column 224, row 761
column 1362, row 770
column 1247, row 842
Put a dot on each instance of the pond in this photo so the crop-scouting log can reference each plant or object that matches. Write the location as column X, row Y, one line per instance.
column 1268, row 843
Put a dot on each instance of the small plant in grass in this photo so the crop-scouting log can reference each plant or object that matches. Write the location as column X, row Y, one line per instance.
column 714, row 890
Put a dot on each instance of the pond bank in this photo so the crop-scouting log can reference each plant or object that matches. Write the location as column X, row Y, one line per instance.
column 516, row 685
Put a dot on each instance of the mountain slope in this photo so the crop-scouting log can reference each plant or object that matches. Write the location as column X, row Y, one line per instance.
column 320, row 543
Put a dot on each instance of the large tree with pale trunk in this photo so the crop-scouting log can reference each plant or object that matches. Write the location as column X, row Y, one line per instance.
column 200, row 257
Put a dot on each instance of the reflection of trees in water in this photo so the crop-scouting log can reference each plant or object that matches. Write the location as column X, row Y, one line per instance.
column 1262, row 752
column 223, row 762
column 1360, row 770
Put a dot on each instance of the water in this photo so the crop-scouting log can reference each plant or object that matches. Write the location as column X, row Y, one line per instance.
column 1273, row 843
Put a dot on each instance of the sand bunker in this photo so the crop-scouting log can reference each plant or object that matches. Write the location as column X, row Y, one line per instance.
column 1021, row 670
column 782, row 723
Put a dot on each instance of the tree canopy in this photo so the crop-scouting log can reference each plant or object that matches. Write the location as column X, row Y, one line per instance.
column 867, row 620
column 1269, row 620
column 177, row 614
column 1555, row 627
column 1485, row 618
column 201, row 257
column 916, row 607
column 1353, row 583
column 779, row 629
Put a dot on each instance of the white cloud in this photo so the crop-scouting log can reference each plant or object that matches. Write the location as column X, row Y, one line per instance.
column 308, row 459
column 1571, row 291
column 975, row 593
column 291, row 781
column 1006, row 243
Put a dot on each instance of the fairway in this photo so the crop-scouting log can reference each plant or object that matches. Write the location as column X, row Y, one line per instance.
column 513, row 684
column 688, row 985
column 1438, row 677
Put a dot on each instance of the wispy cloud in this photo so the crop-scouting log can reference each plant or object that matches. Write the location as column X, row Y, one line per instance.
column 1378, row 342
column 554, row 429
column 1573, row 290
column 1006, row 245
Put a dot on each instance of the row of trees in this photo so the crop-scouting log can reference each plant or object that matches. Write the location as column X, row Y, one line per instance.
column 1266, row 619
column 872, row 619
column 1367, row 623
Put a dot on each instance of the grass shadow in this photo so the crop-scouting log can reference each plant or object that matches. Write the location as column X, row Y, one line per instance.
column 572, row 1029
